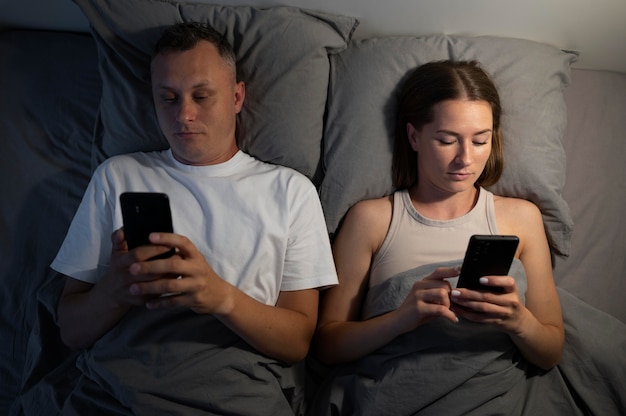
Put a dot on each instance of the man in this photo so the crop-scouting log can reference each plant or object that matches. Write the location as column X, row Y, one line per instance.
column 250, row 239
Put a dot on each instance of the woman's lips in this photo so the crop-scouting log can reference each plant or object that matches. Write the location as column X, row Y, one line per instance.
column 460, row 176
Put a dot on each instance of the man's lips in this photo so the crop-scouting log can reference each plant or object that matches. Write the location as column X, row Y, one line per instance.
column 186, row 134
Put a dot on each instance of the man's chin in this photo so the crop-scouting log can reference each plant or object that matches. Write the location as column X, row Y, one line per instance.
column 202, row 158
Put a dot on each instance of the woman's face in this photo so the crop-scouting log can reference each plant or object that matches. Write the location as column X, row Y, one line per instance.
column 453, row 149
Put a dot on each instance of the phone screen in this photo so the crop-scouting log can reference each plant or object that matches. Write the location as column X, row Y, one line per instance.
column 144, row 213
column 487, row 255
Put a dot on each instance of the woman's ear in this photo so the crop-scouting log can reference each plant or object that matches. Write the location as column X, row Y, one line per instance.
column 413, row 135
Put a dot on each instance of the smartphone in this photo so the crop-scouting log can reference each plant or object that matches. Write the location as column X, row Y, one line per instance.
column 487, row 255
column 144, row 213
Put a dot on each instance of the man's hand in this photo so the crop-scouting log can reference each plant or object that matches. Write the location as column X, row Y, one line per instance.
column 87, row 311
column 199, row 288
column 282, row 331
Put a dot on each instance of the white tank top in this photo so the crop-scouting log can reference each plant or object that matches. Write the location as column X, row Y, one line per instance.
column 414, row 240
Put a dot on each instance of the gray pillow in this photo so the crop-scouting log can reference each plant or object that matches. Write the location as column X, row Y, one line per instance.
column 365, row 80
column 282, row 55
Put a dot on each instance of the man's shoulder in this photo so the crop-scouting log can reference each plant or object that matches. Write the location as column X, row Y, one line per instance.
column 131, row 159
column 276, row 168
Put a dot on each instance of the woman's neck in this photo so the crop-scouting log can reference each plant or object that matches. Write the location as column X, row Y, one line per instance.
column 443, row 206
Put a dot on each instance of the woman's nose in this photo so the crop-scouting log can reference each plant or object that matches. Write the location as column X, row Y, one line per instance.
column 463, row 155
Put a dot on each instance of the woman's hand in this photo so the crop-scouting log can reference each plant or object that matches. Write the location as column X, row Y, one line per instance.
column 428, row 299
column 504, row 309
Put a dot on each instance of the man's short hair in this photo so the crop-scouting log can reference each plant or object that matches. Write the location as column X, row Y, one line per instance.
column 184, row 36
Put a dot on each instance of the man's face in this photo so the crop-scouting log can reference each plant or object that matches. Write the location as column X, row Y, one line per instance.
column 196, row 100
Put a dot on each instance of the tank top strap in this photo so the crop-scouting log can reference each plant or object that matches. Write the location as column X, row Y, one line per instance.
column 414, row 240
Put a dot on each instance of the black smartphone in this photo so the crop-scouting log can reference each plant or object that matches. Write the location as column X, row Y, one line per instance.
column 144, row 213
column 487, row 255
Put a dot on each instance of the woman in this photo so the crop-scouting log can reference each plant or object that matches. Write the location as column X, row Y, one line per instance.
column 448, row 148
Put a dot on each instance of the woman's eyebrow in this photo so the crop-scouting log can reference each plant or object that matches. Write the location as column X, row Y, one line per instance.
column 453, row 133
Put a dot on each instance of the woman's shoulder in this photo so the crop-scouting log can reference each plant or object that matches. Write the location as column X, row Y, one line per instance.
column 373, row 208
column 508, row 203
column 369, row 218
column 516, row 212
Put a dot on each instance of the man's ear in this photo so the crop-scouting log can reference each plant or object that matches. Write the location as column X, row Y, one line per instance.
column 240, row 95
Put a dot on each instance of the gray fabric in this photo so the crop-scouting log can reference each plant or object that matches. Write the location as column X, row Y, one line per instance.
column 359, row 133
column 386, row 298
column 48, row 103
column 594, row 356
column 51, row 92
column 282, row 56
column 184, row 363
column 595, row 145
column 444, row 368
column 168, row 362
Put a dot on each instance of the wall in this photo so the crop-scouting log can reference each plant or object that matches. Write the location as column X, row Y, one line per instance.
column 595, row 28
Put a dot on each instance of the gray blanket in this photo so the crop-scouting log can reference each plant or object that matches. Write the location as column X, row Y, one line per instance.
column 169, row 363
column 444, row 368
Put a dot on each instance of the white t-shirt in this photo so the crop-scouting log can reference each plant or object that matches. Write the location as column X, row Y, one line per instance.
column 260, row 226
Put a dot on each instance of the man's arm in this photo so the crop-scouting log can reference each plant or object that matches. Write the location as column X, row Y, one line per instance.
column 283, row 331
column 87, row 311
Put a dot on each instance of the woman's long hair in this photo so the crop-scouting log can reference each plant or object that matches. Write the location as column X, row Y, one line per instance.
column 430, row 84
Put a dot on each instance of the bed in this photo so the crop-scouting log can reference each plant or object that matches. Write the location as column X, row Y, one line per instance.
column 321, row 102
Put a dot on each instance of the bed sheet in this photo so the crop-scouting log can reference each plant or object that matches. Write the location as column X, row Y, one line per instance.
column 50, row 92
column 463, row 368
column 595, row 147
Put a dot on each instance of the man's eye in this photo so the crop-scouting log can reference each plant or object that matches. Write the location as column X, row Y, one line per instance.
column 168, row 98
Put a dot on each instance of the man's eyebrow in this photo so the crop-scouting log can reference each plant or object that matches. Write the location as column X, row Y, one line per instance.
column 202, row 84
